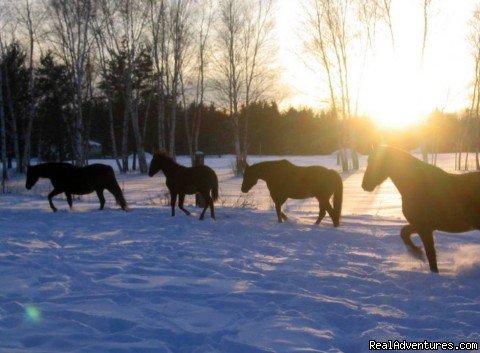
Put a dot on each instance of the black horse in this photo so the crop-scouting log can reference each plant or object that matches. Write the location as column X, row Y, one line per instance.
column 432, row 199
column 182, row 180
column 77, row 181
column 286, row 180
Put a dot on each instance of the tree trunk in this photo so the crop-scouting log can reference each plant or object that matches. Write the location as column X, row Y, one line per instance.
column 112, row 128
column 142, row 160
column 125, row 137
column 198, row 122
column 3, row 137
column 32, row 100
column 238, row 151
column 13, row 123
column 173, row 121
column 160, row 112
column 188, row 133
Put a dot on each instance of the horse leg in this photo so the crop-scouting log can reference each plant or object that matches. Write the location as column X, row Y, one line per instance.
column 181, row 198
column 429, row 244
column 330, row 211
column 173, row 200
column 212, row 209
column 208, row 200
column 413, row 249
column 69, row 199
column 321, row 212
column 278, row 207
column 101, row 198
column 50, row 197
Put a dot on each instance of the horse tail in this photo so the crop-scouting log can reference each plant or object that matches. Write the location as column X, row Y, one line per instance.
column 337, row 200
column 116, row 191
column 215, row 187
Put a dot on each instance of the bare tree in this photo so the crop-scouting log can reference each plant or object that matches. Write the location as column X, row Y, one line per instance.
column 180, row 40
column 13, row 118
column 70, row 21
column 101, row 42
column 229, row 84
column 257, row 54
column 31, row 16
column 426, row 12
column 202, row 51
column 125, row 24
column 245, row 76
column 3, row 130
column 158, row 27
column 327, row 43
column 386, row 15
column 474, row 111
column 336, row 30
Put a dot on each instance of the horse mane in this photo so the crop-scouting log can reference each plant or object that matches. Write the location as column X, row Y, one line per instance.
column 399, row 153
column 265, row 168
column 166, row 157
column 271, row 163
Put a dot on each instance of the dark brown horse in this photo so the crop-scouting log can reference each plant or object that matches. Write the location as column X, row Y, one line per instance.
column 286, row 180
column 77, row 181
column 432, row 199
column 183, row 181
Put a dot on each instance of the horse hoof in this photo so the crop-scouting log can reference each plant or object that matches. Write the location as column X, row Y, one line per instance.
column 54, row 210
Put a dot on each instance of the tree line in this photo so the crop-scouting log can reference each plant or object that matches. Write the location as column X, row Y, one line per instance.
column 184, row 75
column 139, row 68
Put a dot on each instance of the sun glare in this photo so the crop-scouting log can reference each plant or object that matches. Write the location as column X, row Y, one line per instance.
column 398, row 87
column 396, row 98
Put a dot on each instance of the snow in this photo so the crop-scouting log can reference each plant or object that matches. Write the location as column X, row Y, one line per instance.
column 109, row 281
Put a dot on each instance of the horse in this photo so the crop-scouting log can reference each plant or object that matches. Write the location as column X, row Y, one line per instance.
column 77, row 181
column 183, row 181
column 432, row 199
column 286, row 180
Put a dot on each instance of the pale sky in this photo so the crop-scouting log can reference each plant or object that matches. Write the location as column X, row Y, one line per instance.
column 397, row 88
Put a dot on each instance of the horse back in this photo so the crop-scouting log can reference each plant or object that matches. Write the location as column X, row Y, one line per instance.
column 444, row 201
column 190, row 180
column 302, row 182
column 84, row 180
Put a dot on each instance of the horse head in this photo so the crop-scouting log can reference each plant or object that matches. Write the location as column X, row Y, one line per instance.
column 249, row 178
column 376, row 172
column 159, row 162
column 32, row 177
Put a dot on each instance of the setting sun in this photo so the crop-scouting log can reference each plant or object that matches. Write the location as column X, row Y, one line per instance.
column 393, row 84
column 396, row 98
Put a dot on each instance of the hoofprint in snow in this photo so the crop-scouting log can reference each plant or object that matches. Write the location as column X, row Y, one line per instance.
column 109, row 281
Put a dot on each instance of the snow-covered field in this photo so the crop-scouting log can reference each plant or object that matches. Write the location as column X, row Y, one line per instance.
column 142, row 281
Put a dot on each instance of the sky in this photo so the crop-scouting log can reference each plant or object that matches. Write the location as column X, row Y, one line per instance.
column 398, row 88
